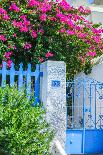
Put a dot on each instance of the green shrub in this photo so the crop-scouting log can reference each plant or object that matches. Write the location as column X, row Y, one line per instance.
column 23, row 129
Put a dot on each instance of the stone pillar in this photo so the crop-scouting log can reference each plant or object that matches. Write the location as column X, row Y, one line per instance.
column 53, row 96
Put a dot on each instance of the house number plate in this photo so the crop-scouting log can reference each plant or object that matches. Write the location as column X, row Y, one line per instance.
column 55, row 83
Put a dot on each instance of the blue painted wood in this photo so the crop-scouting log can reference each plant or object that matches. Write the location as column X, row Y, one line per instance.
column 20, row 77
column 28, row 81
column 28, row 74
column 3, row 75
column 37, row 86
column 74, row 143
column 12, row 74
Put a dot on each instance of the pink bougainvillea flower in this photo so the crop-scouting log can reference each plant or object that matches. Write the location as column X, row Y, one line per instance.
column 71, row 33
column 26, row 22
column 70, row 23
column 14, row 7
column 49, row 54
column 24, row 29
column 9, row 62
column 8, row 54
column 24, row 17
column 34, row 34
column 43, row 17
column 96, row 38
column 2, row 11
column 65, row 5
column 41, row 31
column 32, row 3
column 62, row 30
column 6, row 17
column 78, row 28
column 81, row 35
column 45, row 7
column 27, row 46
column 92, row 54
column 17, row 24
column 41, row 59
column 52, row 18
column 81, row 9
column 2, row 37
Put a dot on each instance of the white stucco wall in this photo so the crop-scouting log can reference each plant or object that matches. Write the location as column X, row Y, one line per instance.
column 97, row 14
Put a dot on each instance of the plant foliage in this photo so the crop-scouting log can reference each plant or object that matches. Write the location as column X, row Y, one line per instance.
column 32, row 31
column 23, row 129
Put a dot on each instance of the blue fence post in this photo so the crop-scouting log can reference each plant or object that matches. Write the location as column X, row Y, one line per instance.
column 3, row 75
column 37, row 85
column 20, row 78
column 12, row 74
column 28, row 81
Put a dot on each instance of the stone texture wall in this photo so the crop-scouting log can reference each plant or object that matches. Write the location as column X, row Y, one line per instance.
column 54, row 97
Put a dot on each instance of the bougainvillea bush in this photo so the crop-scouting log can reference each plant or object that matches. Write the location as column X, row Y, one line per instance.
column 34, row 31
column 23, row 129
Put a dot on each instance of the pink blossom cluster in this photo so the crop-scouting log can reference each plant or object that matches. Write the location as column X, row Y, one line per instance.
column 64, row 19
column 14, row 7
column 9, row 62
column 4, row 14
column 27, row 46
column 65, row 5
column 83, row 10
column 32, row 3
column 43, row 17
column 81, row 35
column 2, row 37
column 45, row 7
column 70, row 32
column 47, row 55
column 34, row 34
column 23, row 24
column 7, row 55
column 90, row 53
column 68, row 21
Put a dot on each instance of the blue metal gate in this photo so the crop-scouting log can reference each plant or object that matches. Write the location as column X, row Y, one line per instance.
column 84, row 116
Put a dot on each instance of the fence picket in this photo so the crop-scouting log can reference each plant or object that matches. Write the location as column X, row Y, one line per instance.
column 20, row 77
column 3, row 75
column 37, row 86
column 12, row 74
column 27, row 73
column 28, row 81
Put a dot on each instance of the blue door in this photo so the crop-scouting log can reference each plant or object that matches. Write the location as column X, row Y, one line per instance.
column 74, row 143
column 84, row 116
